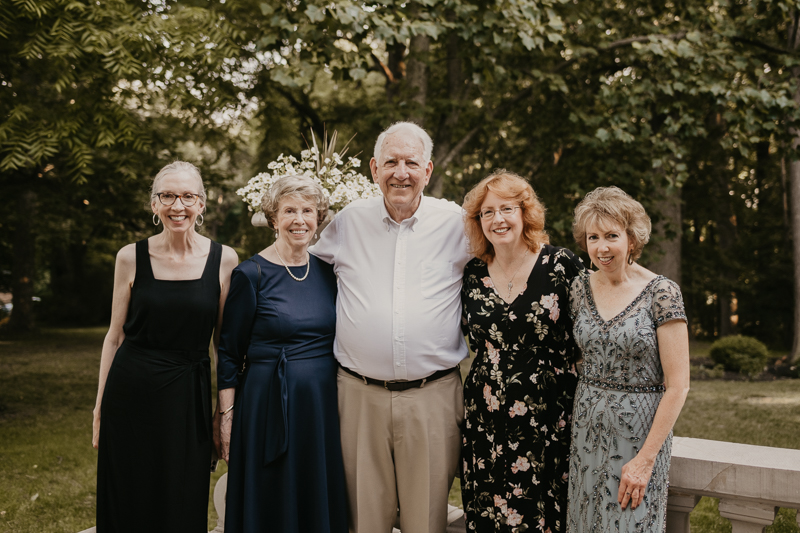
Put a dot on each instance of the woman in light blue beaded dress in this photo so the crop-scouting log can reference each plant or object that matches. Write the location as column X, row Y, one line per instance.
column 631, row 327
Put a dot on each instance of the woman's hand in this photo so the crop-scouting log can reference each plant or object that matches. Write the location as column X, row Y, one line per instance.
column 224, row 436
column 635, row 475
column 96, row 428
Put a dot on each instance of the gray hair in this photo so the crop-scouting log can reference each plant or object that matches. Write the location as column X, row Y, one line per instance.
column 420, row 134
column 612, row 205
column 174, row 168
column 294, row 185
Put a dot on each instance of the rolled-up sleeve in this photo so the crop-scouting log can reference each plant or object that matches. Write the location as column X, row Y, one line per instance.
column 237, row 325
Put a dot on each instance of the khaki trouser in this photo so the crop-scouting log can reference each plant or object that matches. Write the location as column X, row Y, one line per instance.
column 401, row 449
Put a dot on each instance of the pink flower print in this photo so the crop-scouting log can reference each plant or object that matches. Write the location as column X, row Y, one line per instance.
column 487, row 282
column 541, row 524
column 521, row 464
column 534, row 480
column 562, row 423
column 550, row 302
column 518, row 409
column 491, row 401
column 513, row 518
column 494, row 354
column 501, row 503
column 517, row 490
column 497, row 450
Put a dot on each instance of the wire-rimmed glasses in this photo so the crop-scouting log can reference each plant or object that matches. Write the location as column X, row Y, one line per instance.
column 506, row 211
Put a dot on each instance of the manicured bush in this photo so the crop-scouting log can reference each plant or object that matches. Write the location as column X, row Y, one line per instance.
column 738, row 353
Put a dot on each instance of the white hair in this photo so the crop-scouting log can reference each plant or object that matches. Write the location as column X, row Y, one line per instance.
column 421, row 135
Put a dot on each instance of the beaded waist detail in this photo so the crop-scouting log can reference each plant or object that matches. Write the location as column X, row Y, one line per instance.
column 623, row 387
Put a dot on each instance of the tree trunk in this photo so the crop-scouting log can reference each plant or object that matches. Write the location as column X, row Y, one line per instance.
column 667, row 252
column 417, row 76
column 23, row 267
column 794, row 195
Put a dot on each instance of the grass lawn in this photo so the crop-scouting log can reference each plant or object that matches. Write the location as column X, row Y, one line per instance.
column 48, row 384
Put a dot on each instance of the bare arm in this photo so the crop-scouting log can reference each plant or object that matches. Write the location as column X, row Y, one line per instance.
column 124, row 274
column 229, row 262
column 673, row 347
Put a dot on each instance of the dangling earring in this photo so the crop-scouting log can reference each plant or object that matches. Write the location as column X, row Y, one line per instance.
column 630, row 258
column 276, row 234
column 200, row 218
column 156, row 220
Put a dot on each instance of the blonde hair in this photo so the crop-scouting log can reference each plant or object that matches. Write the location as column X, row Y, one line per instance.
column 507, row 185
column 174, row 168
column 294, row 185
column 612, row 205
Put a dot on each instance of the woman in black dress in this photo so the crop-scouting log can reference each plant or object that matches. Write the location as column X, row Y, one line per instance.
column 520, row 388
column 280, row 427
column 152, row 418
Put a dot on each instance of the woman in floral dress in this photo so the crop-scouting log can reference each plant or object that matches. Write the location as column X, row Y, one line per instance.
column 520, row 389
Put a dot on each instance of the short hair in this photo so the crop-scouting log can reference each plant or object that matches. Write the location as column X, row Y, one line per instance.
column 612, row 205
column 294, row 185
column 507, row 185
column 174, row 168
column 420, row 134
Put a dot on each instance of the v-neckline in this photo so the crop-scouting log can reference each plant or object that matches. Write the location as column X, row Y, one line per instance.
column 494, row 287
column 596, row 313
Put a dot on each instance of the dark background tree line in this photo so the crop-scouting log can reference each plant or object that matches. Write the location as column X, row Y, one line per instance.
column 690, row 106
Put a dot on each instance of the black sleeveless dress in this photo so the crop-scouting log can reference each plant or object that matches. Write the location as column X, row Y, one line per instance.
column 155, row 429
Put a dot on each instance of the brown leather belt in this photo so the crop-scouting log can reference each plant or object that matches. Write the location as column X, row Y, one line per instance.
column 401, row 385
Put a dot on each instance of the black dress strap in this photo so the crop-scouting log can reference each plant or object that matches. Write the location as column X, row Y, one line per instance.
column 211, row 270
column 144, row 270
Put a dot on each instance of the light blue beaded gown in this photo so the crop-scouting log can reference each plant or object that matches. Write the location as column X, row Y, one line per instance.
column 621, row 384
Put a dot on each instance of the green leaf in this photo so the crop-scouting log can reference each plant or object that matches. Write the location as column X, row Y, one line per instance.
column 266, row 9
column 314, row 13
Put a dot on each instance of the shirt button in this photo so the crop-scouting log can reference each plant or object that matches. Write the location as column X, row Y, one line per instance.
column 399, row 364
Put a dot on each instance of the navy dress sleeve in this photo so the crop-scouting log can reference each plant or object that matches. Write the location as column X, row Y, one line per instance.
column 237, row 324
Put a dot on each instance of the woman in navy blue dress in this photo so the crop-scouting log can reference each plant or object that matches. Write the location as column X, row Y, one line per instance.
column 280, row 429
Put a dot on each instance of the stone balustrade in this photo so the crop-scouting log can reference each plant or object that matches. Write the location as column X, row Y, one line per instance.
column 751, row 482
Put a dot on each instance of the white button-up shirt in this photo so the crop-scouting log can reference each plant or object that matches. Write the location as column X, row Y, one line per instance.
column 398, row 311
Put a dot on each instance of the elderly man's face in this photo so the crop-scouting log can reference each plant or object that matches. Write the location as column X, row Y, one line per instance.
column 402, row 174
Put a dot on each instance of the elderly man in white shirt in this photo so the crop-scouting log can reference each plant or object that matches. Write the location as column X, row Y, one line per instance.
column 399, row 260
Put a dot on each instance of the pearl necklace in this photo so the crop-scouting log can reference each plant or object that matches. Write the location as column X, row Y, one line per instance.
column 511, row 281
column 308, row 266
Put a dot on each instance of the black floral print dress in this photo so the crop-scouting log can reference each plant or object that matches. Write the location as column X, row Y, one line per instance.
column 519, row 398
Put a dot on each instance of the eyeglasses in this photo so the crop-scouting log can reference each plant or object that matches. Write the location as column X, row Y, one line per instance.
column 506, row 211
column 187, row 199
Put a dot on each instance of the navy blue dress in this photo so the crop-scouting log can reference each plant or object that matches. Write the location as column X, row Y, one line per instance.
column 285, row 472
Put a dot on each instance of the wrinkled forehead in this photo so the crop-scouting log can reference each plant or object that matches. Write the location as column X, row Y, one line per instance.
column 402, row 144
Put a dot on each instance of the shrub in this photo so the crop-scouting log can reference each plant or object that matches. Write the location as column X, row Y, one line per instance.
column 738, row 353
column 702, row 372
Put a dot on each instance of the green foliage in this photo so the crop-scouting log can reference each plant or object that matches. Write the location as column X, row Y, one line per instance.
column 739, row 353
column 702, row 372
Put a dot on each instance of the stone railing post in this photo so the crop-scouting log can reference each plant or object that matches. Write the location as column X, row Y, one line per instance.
column 747, row 517
column 678, row 508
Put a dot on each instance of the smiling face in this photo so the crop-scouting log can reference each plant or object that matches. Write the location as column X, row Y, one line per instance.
column 296, row 220
column 402, row 173
column 501, row 230
column 178, row 217
column 608, row 246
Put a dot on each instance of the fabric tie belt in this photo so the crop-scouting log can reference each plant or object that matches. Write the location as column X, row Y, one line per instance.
column 623, row 387
column 277, row 434
column 395, row 386
column 172, row 365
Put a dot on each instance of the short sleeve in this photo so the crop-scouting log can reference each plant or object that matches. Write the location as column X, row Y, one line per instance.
column 576, row 295
column 328, row 244
column 237, row 325
column 667, row 302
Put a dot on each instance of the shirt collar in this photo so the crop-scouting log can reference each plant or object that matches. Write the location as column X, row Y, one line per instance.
column 388, row 221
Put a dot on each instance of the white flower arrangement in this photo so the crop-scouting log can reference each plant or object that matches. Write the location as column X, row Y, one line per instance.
column 340, row 179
